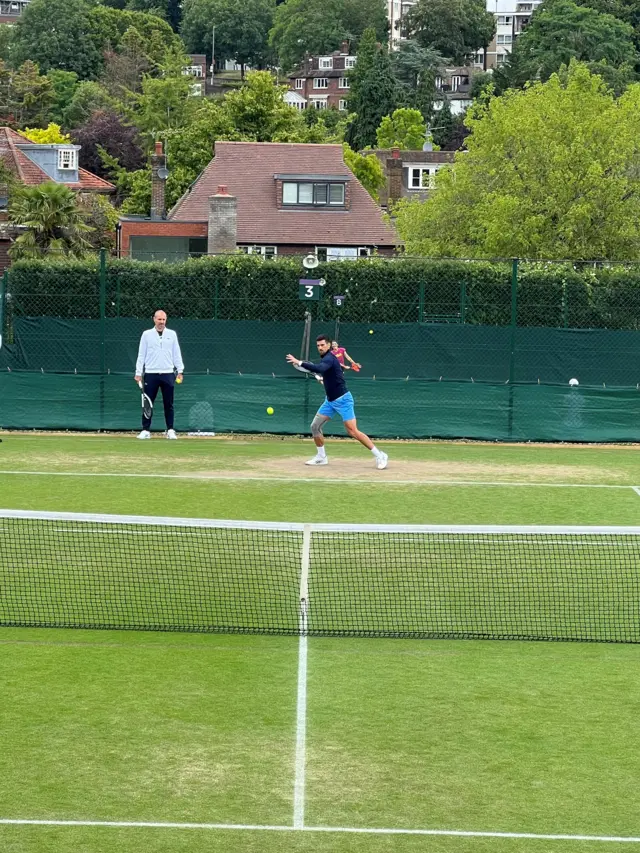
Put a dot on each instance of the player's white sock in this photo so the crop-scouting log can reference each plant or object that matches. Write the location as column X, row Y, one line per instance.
column 321, row 452
column 377, row 453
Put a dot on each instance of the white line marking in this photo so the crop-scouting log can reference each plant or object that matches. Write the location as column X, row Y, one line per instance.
column 343, row 481
column 301, row 701
column 636, row 489
column 458, row 833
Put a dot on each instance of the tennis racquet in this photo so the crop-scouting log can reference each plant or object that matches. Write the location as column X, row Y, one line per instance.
column 310, row 372
column 355, row 366
column 147, row 403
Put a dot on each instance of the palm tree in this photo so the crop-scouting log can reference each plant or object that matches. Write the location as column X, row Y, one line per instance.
column 54, row 224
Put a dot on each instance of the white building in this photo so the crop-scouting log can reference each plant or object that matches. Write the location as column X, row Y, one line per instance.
column 512, row 16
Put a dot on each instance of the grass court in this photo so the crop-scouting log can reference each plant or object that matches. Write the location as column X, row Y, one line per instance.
column 140, row 741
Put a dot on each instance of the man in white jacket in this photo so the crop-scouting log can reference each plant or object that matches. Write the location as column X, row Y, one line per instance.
column 159, row 358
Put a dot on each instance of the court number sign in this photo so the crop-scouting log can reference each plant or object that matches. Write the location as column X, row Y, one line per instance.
column 309, row 289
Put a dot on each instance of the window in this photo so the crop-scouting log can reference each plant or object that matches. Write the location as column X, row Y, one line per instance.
column 193, row 70
column 504, row 20
column 266, row 251
column 350, row 62
column 300, row 83
column 67, row 159
column 421, row 177
column 320, row 194
column 506, row 39
column 501, row 58
column 196, row 90
column 337, row 253
column 320, row 83
column 325, row 62
column 4, row 196
column 342, row 104
column 343, row 83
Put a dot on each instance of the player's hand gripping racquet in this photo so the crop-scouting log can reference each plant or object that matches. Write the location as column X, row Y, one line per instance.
column 355, row 366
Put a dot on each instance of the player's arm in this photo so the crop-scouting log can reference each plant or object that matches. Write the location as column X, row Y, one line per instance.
column 177, row 358
column 142, row 355
column 347, row 356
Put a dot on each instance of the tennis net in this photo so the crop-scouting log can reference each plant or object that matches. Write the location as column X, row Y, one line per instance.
column 173, row 574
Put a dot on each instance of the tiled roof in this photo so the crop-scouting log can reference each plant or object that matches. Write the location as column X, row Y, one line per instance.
column 31, row 174
column 247, row 169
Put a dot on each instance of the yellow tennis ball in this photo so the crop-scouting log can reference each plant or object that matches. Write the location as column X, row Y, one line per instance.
column 270, row 410
column 178, row 379
column 370, row 331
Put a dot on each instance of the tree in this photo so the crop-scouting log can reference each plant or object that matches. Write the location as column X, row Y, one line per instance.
column 563, row 31
column 56, row 34
column 106, row 130
column 415, row 69
column 550, row 172
column 164, row 103
column 315, row 27
column 64, row 85
column 455, row 28
column 367, row 169
column 108, row 28
column 241, row 29
column 25, row 95
column 6, row 42
column 55, row 225
column 258, row 110
column 102, row 217
column 402, row 129
column 87, row 99
column 373, row 92
column 50, row 135
column 444, row 125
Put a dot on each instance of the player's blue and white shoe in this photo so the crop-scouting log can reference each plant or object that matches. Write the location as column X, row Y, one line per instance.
column 382, row 461
column 317, row 460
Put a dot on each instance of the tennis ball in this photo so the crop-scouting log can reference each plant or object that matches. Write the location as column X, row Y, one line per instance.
column 270, row 410
column 370, row 331
column 178, row 379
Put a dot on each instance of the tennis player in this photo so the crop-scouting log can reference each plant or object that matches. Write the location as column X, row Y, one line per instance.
column 338, row 401
column 341, row 353
column 159, row 358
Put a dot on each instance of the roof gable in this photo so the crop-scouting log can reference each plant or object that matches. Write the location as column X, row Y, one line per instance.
column 248, row 170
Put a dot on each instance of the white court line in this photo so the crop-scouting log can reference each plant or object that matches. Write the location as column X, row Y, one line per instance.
column 343, row 481
column 457, row 833
column 636, row 489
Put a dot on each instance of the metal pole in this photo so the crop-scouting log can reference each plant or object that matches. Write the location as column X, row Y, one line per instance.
column 213, row 52
column 103, row 326
column 3, row 297
column 463, row 301
column 512, row 346
column 421, row 303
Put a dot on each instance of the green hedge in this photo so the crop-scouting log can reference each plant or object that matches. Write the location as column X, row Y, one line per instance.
column 376, row 290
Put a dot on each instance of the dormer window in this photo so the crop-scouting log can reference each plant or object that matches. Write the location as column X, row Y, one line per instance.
column 316, row 194
column 68, row 159
column 325, row 62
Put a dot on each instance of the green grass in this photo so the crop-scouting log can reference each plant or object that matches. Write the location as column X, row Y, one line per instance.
column 439, row 734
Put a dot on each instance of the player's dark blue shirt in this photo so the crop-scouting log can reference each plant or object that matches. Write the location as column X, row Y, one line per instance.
column 332, row 375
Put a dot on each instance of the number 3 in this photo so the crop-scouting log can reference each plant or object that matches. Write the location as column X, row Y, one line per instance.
column 308, row 290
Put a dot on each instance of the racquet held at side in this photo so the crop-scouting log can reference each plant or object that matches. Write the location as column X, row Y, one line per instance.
column 147, row 404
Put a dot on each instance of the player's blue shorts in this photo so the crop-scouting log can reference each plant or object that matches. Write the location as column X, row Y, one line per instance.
column 343, row 406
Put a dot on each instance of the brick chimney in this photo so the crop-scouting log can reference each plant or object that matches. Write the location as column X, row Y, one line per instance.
column 344, row 48
column 223, row 222
column 158, row 161
column 394, row 176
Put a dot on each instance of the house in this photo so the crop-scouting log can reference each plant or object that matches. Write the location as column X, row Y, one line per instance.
column 262, row 198
column 197, row 68
column 454, row 85
column 512, row 16
column 322, row 81
column 10, row 10
column 34, row 163
column 409, row 174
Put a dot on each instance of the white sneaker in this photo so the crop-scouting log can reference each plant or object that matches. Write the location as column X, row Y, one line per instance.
column 171, row 433
column 144, row 434
column 317, row 460
column 382, row 461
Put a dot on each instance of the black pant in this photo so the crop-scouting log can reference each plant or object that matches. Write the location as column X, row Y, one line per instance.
column 152, row 383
